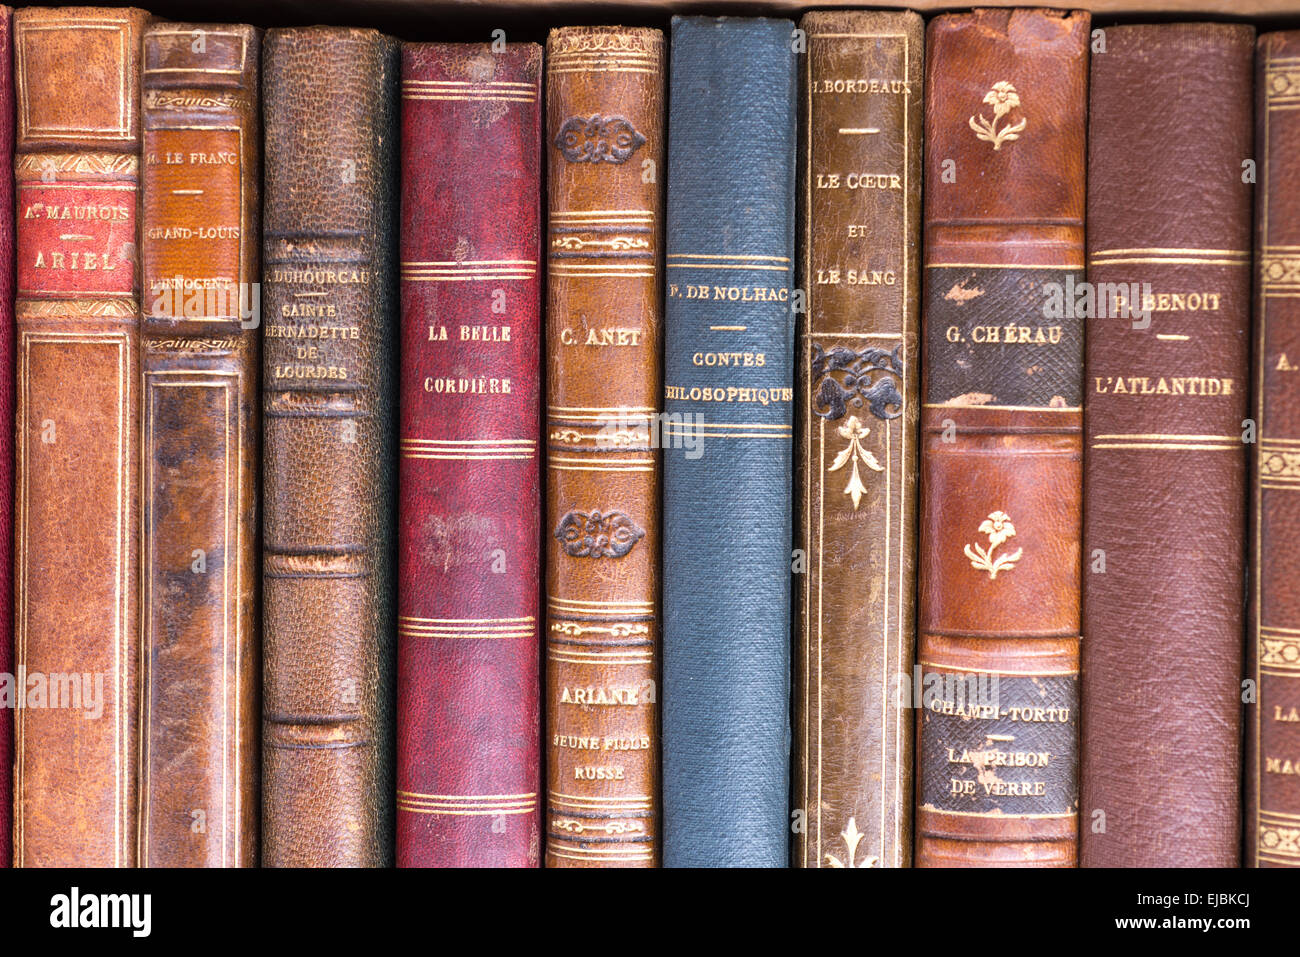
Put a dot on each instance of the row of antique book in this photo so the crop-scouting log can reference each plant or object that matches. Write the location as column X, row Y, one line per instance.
column 289, row 586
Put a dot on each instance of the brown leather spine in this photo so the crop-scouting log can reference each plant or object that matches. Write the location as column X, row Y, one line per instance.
column 77, row 531
column 1169, row 210
column 859, row 375
column 1001, row 440
column 604, row 332
column 1273, row 637
column 199, row 430
column 328, row 430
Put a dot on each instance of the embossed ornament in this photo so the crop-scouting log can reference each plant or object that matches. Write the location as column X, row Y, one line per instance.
column 855, row 432
column 1003, row 98
column 844, row 377
column 598, row 139
column 597, row 534
column 998, row 528
column 852, row 838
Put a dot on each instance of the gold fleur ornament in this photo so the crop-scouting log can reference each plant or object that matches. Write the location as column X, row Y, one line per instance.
column 855, row 432
column 1003, row 98
column 998, row 528
column 852, row 838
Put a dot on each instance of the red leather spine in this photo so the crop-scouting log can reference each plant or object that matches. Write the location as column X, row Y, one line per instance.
column 468, row 725
column 6, row 416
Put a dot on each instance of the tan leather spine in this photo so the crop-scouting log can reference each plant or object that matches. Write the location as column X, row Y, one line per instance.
column 604, row 333
column 860, row 379
column 200, row 336
column 77, row 531
column 1273, row 640
column 1001, row 446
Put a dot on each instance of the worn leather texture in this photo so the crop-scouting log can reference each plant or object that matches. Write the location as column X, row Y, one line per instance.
column 76, row 539
column 200, row 251
column 1166, row 465
column 604, row 332
column 1001, row 456
column 1272, row 766
column 329, row 467
column 6, row 415
column 469, row 723
column 727, row 436
column 859, row 379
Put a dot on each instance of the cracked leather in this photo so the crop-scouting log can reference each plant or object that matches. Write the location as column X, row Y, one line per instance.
column 329, row 469
column 199, row 250
column 605, row 147
column 77, row 536
column 1001, row 455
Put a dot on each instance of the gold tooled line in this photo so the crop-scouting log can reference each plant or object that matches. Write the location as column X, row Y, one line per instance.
column 1172, row 250
column 443, row 621
column 1171, row 446
column 779, row 259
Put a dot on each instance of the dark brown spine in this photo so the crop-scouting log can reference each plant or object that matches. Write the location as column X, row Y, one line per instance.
column 328, row 430
column 200, row 337
column 1167, row 378
column 998, row 630
column 859, row 377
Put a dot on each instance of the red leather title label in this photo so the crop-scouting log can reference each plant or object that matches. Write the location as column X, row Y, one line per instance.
column 76, row 239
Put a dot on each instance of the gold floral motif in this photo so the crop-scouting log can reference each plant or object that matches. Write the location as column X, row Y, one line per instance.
column 1283, row 841
column 1279, row 464
column 1282, row 81
column 1279, row 270
column 1003, row 98
column 998, row 528
column 615, row 631
column 105, row 164
column 571, row 826
column 97, row 308
column 855, row 432
column 603, row 43
column 1279, row 651
column 852, row 838
column 616, row 244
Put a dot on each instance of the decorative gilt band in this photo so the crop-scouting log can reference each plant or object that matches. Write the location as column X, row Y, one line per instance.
column 1275, row 463
column 1279, row 652
column 1278, row 841
column 1281, row 81
column 36, row 165
column 76, row 308
column 1279, row 271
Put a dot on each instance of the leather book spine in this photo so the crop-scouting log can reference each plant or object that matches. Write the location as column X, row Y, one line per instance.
column 6, row 416
column 329, row 466
column 727, row 442
column 77, row 530
column 605, row 146
column 469, row 536
column 859, row 381
column 1167, row 380
column 1272, row 764
column 199, row 428
column 996, row 687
